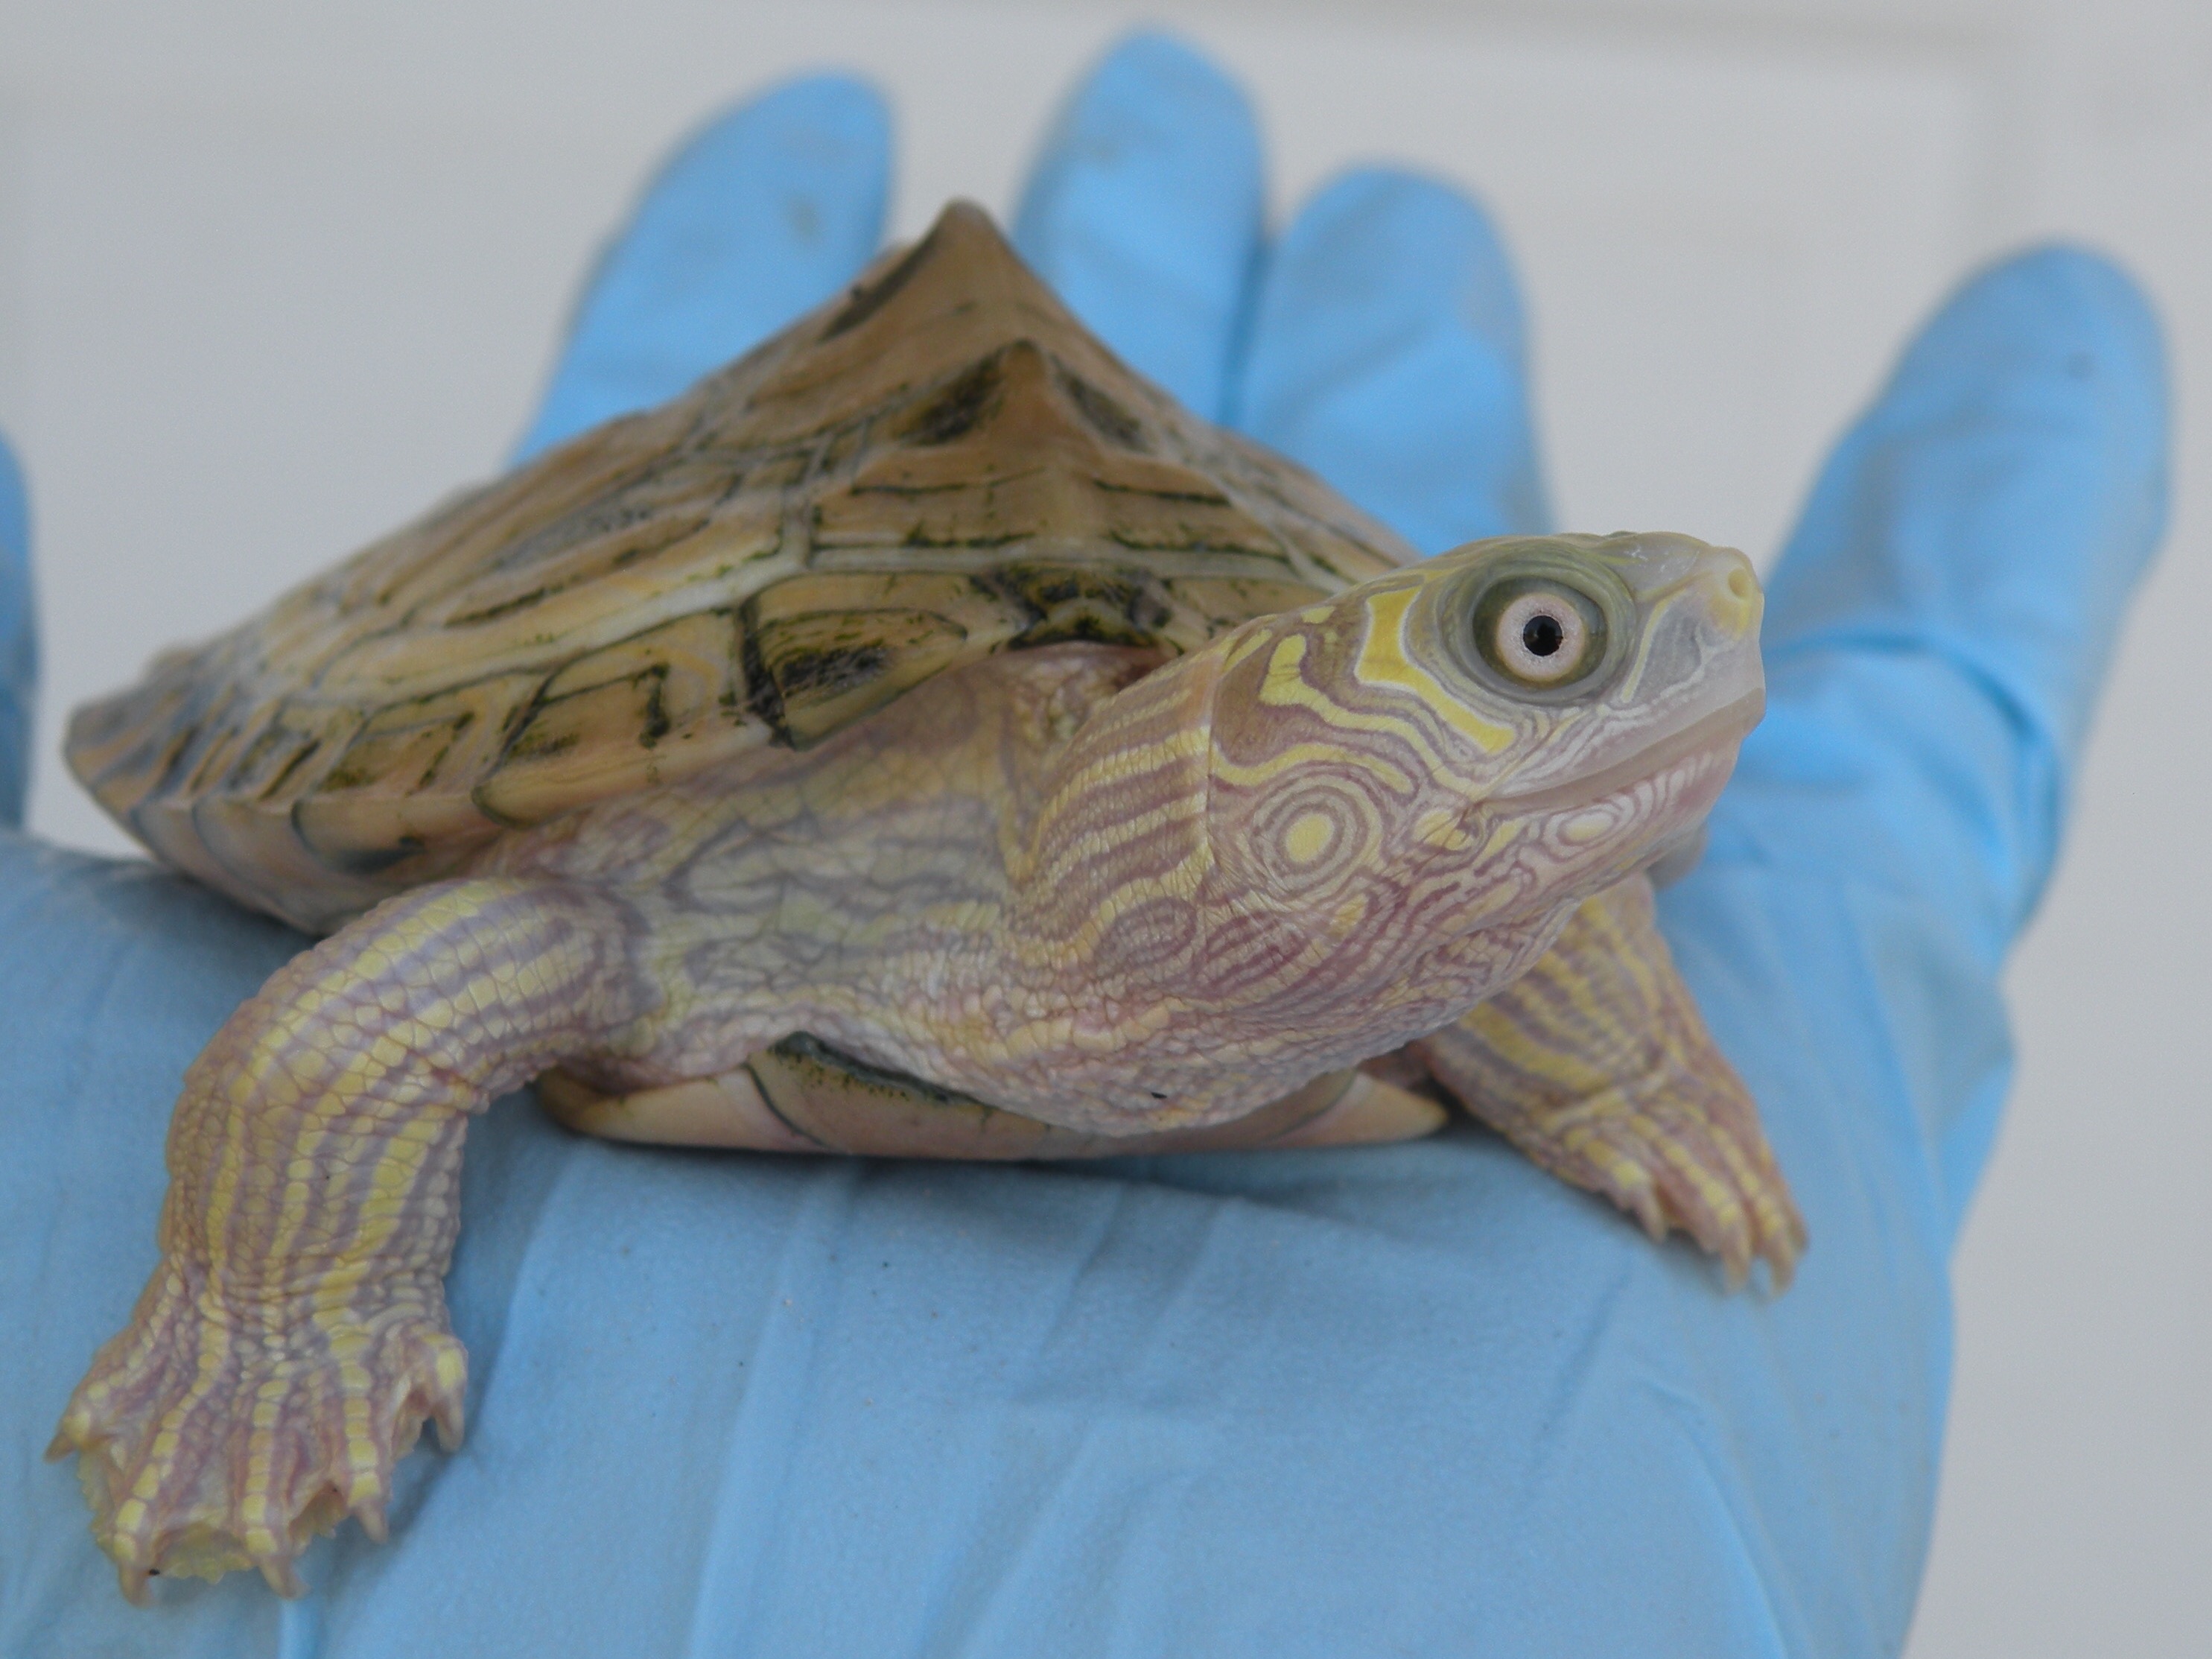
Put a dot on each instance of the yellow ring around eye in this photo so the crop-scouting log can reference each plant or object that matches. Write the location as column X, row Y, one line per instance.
column 1541, row 638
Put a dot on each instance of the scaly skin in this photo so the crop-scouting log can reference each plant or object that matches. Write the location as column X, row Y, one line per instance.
column 1117, row 896
column 1596, row 1064
column 287, row 1351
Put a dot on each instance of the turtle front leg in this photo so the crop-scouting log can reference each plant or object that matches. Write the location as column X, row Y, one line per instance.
column 1597, row 1063
column 294, row 1339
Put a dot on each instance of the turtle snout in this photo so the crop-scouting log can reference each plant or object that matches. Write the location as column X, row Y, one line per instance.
column 1730, row 590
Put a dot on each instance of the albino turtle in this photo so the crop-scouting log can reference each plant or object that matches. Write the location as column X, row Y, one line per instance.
column 922, row 738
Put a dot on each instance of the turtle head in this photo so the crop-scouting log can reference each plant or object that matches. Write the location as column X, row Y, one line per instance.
column 1477, row 743
column 1412, row 782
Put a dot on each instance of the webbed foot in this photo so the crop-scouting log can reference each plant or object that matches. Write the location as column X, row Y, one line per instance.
column 212, row 1435
column 1675, row 1154
column 1598, row 1065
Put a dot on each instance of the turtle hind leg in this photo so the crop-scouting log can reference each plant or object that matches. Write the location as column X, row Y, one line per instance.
column 294, row 1339
column 1598, row 1065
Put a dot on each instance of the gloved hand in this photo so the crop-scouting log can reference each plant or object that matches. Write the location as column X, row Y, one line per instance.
column 1417, row 1399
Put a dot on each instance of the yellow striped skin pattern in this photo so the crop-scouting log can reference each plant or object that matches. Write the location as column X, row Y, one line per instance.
column 1596, row 1064
column 1095, row 888
column 294, row 1340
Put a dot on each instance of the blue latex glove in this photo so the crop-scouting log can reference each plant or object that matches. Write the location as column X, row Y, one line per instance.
column 1419, row 1399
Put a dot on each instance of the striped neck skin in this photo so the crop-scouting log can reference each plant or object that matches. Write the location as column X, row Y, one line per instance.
column 1336, row 817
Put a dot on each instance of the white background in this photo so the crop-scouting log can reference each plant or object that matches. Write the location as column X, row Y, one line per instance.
column 273, row 277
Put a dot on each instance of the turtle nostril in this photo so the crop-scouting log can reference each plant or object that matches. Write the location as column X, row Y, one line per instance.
column 1740, row 583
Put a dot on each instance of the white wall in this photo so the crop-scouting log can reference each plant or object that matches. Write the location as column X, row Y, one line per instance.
column 273, row 277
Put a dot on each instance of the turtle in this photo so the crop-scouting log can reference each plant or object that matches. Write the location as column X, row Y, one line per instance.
column 922, row 737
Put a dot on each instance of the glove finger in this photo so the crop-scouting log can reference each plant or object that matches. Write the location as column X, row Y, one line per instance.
column 1143, row 211
column 1387, row 354
column 767, row 211
column 1943, row 617
column 2001, row 499
column 19, row 641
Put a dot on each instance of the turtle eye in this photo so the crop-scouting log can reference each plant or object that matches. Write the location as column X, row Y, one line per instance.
column 1539, row 633
column 1541, row 638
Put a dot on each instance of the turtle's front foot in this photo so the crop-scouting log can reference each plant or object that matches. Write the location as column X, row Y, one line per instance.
column 1672, row 1137
column 1597, row 1063
column 1675, row 1155
column 215, row 1433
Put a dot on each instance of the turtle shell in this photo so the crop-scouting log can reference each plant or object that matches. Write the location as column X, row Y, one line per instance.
column 940, row 464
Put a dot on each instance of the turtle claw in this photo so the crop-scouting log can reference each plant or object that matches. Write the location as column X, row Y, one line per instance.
column 371, row 1517
column 448, row 1413
column 1597, row 1063
column 1678, row 1148
column 282, row 1576
column 208, row 1442
column 1639, row 1198
column 1677, row 1168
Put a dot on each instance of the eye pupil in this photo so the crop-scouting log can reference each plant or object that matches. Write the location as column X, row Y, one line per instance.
column 1540, row 635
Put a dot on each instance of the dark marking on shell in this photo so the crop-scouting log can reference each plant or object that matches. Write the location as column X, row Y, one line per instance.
column 461, row 723
column 307, row 752
column 1107, row 418
column 917, row 537
column 504, row 608
column 830, row 671
column 1195, row 497
column 866, row 302
column 1081, row 603
column 542, row 748
column 370, row 862
column 959, row 408
column 591, row 522
column 657, row 723
column 763, row 696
